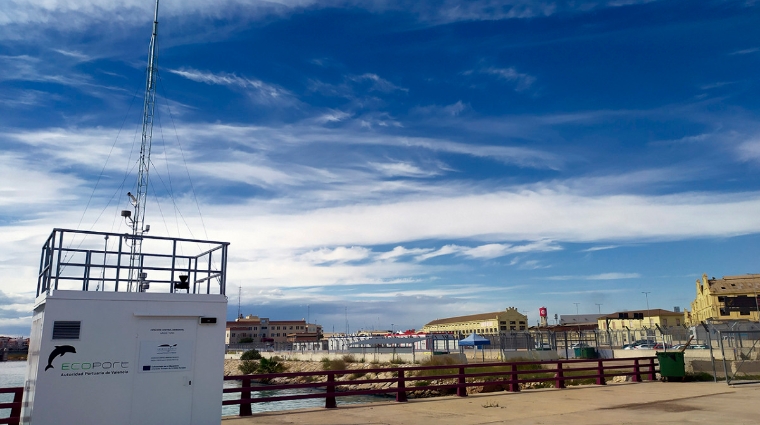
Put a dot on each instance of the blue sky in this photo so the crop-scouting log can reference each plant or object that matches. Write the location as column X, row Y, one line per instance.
column 395, row 161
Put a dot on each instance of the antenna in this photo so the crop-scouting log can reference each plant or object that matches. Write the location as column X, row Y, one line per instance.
column 138, row 201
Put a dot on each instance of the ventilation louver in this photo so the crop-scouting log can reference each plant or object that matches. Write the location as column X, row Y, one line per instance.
column 66, row 329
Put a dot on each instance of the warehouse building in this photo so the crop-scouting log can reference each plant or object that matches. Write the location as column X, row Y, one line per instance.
column 730, row 298
column 483, row 324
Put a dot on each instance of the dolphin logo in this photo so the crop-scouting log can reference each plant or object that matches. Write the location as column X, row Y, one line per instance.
column 59, row 350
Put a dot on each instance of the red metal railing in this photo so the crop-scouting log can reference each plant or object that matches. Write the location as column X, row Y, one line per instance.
column 509, row 375
column 15, row 406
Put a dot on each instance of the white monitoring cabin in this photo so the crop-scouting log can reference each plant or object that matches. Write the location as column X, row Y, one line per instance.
column 107, row 348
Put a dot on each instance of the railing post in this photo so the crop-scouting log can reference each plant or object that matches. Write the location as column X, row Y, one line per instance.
column 513, row 377
column 16, row 411
column 600, row 373
column 401, row 386
column 330, row 394
column 652, row 374
column 245, row 394
column 560, row 378
column 461, row 389
column 636, row 371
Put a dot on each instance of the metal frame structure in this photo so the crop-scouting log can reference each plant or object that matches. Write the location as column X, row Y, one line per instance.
column 91, row 266
column 744, row 345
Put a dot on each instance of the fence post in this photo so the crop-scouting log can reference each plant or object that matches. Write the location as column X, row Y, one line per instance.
column 560, row 378
column 600, row 373
column 401, row 385
column 652, row 375
column 513, row 385
column 16, row 411
column 330, row 393
column 245, row 408
column 461, row 389
column 636, row 371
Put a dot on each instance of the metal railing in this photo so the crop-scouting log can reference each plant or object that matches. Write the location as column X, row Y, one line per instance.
column 15, row 405
column 458, row 377
column 87, row 261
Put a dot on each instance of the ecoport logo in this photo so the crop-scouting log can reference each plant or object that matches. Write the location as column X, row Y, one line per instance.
column 59, row 350
column 85, row 367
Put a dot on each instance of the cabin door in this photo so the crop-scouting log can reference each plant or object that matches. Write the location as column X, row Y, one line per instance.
column 162, row 392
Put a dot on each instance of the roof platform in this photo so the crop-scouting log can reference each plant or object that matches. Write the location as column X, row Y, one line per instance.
column 81, row 260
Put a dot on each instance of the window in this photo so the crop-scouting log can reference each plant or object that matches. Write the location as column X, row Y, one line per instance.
column 232, row 334
column 503, row 322
column 503, row 328
column 522, row 322
column 522, row 328
column 263, row 328
column 511, row 322
column 512, row 328
column 678, row 322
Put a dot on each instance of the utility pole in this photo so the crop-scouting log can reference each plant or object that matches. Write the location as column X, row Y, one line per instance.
column 576, row 308
column 600, row 308
column 138, row 200
column 240, row 292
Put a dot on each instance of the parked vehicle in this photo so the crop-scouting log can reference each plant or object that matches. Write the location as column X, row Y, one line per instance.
column 645, row 346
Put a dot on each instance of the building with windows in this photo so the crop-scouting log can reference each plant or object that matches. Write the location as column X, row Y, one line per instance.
column 483, row 324
column 640, row 319
column 262, row 330
column 729, row 298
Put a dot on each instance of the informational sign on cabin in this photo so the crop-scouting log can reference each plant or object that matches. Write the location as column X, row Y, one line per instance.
column 165, row 356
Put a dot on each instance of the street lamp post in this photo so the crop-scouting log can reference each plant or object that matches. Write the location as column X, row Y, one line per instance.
column 600, row 308
column 576, row 308
column 649, row 315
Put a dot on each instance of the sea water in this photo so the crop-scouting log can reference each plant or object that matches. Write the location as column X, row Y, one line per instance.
column 12, row 374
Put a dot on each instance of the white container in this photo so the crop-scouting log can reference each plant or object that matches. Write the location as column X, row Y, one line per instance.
column 125, row 358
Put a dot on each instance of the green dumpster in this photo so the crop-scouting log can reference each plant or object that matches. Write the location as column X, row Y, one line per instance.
column 588, row 352
column 671, row 365
column 577, row 352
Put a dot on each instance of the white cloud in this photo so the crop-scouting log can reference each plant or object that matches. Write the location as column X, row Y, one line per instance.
column 378, row 84
column 340, row 254
column 600, row 248
column 601, row 276
column 400, row 251
column 522, row 81
column 260, row 91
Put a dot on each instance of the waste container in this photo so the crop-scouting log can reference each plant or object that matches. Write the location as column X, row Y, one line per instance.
column 577, row 352
column 671, row 365
column 588, row 352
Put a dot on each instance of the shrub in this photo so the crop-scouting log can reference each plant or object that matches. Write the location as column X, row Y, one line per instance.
column 335, row 364
column 397, row 360
column 421, row 383
column 270, row 366
column 245, row 340
column 357, row 375
column 248, row 367
column 349, row 358
column 251, row 355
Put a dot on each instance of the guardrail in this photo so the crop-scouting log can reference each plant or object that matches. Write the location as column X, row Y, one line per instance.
column 507, row 374
column 15, row 405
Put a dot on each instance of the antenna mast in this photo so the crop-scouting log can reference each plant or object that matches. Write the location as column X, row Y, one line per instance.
column 138, row 201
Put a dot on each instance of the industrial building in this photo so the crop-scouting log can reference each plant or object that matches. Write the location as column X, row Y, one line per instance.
column 730, row 298
column 261, row 329
column 483, row 324
column 641, row 319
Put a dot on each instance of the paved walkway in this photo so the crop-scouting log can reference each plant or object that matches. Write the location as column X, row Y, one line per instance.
column 628, row 403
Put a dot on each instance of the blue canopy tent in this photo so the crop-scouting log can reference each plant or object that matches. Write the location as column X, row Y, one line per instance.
column 475, row 340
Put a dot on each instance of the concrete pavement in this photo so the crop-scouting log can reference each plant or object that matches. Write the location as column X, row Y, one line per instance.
column 625, row 403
